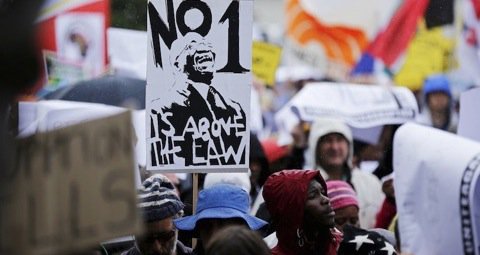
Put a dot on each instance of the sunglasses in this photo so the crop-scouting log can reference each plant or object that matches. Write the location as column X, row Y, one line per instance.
column 160, row 236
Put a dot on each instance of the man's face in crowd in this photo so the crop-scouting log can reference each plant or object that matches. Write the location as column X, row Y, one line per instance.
column 160, row 238
column 332, row 151
column 438, row 101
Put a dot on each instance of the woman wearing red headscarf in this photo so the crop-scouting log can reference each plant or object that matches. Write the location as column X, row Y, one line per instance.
column 301, row 213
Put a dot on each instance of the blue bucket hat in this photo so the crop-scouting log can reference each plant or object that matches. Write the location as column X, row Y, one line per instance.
column 221, row 201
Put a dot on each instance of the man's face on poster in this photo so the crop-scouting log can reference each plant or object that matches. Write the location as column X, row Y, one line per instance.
column 204, row 59
column 197, row 61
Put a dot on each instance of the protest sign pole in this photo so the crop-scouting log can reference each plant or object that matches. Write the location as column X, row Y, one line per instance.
column 194, row 202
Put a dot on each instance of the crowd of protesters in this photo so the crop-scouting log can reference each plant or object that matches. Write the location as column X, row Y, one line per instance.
column 309, row 197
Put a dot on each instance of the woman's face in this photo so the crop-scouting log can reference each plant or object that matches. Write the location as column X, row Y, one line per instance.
column 318, row 212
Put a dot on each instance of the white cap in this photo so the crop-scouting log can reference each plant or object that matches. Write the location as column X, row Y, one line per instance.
column 241, row 180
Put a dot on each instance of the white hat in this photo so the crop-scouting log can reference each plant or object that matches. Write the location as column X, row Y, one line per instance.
column 241, row 180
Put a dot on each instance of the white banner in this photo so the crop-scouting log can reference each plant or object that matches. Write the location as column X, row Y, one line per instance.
column 127, row 50
column 198, row 85
column 69, row 189
column 360, row 106
column 437, row 191
column 469, row 121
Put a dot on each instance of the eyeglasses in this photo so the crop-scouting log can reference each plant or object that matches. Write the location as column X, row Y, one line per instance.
column 160, row 236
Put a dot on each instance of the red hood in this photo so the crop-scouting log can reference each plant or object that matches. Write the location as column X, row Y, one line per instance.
column 285, row 194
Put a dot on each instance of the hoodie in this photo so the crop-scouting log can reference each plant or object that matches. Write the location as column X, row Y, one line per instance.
column 285, row 194
column 438, row 83
column 367, row 186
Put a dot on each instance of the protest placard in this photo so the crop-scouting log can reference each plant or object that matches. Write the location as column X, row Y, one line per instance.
column 437, row 191
column 198, row 85
column 360, row 106
column 469, row 121
column 48, row 115
column 75, row 31
column 127, row 52
column 266, row 58
column 69, row 189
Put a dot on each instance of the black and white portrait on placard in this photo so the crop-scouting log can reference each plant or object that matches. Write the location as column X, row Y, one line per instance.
column 198, row 85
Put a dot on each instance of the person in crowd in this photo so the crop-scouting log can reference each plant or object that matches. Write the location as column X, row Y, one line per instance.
column 281, row 157
column 278, row 158
column 237, row 240
column 160, row 205
column 259, row 166
column 387, row 212
column 330, row 150
column 438, row 110
column 358, row 241
column 385, row 173
column 218, row 206
column 277, row 155
column 344, row 202
column 301, row 213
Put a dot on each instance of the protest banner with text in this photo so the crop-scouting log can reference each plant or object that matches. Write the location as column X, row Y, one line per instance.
column 437, row 191
column 198, row 85
column 70, row 189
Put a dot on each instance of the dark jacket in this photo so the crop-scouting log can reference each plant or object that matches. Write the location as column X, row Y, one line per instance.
column 285, row 195
column 181, row 250
column 186, row 130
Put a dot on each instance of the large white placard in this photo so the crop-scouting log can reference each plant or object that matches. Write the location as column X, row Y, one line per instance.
column 360, row 106
column 469, row 122
column 198, row 85
column 69, row 189
column 436, row 189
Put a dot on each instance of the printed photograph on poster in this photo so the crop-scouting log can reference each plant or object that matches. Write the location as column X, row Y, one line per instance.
column 198, row 85
column 80, row 38
column 60, row 72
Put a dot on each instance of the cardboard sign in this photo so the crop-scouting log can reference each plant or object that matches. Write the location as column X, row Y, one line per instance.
column 437, row 191
column 198, row 85
column 266, row 58
column 69, row 189
column 469, row 121
column 48, row 115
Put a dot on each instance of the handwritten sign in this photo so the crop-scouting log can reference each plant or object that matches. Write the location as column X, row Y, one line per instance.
column 266, row 58
column 69, row 189
column 437, row 191
column 198, row 85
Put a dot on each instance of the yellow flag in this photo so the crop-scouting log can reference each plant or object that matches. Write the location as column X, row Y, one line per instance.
column 428, row 53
